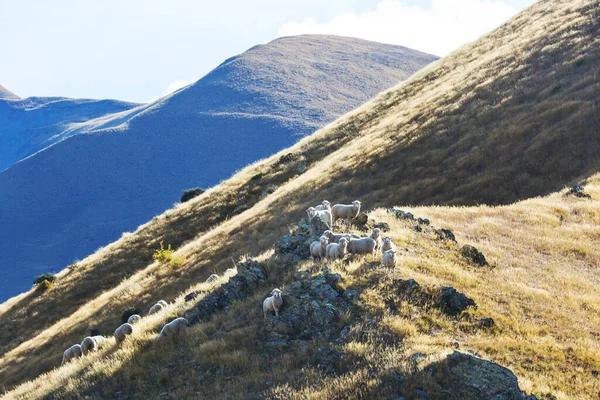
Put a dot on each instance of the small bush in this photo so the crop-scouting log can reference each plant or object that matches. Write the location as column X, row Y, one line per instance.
column 44, row 285
column 162, row 254
column 191, row 193
column 177, row 262
column 48, row 276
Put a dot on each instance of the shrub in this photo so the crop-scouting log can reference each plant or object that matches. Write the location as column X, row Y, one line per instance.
column 48, row 276
column 191, row 193
column 162, row 254
column 44, row 285
column 177, row 262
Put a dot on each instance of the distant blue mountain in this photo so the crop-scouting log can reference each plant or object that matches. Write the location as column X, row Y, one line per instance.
column 108, row 174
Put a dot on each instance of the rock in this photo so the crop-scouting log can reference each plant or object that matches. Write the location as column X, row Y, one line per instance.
column 317, row 227
column 385, row 227
column 191, row 296
column 445, row 234
column 418, row 228
column 361, row 220
column 486, row 322
column 287, row 158
column 190, row 194
column 473, row 255
column 297, row 243
column 128, row 313
column 577, row 190
column 453, row 302
column 351, row 294
column 465, row 377
column 251, row 275
column 423, row 221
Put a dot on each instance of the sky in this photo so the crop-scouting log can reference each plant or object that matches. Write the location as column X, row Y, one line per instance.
column 140, row 50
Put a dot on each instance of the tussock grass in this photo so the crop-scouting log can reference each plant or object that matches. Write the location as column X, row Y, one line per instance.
column 511, row 116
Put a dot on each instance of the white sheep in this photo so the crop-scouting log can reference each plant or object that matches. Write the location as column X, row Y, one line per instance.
column 273, row 303
column 98, row 339
column 212, row 278
column 156, row 308
column 72, row 352
column 162, row 303
column 364, row 245
column 388, row 244
column 389, row 259
column 336, row 251
column 376, row 236
column 122, row 332
column 324, row 215
column 318, row 247
column 177, row 327
column 134, row 319
column 335, row 237
column 88, row 345
column 325, row 205
column 345, row 212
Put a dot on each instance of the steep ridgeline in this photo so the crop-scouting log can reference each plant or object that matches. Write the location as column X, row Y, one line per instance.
column 510, row 116
column 110, row 174
column 35, row 123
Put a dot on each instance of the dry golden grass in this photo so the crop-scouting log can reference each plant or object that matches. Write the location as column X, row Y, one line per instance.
column 542, row 290
column 510, row 116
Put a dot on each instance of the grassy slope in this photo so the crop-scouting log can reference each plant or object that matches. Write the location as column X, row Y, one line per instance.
column 542, row 291
column 497, row 121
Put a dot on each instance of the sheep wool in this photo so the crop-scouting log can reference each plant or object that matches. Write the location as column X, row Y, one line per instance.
column 71, row 353
column 134, row 319
column 88, row 345
column 273, row 303
column 122, row 332
column 173, row 329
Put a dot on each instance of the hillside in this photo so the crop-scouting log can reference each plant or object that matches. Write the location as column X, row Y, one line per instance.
column 5, row 93
column 510, row 116
column 108, row 175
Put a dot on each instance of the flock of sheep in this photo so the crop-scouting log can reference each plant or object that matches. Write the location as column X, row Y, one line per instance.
column 334, row 246
column 89, row 344
column 330, row 247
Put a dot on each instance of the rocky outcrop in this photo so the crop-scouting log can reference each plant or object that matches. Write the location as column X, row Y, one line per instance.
column 250, row 277
column 297, row 243
column 472, row 255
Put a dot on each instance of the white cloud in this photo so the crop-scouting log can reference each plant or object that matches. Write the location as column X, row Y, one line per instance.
column 172, row 87
column 439, row 29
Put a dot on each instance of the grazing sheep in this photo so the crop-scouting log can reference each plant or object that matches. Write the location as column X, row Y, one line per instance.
column 212, row 278
column 336, row 251
column 346, row 212
column 162, row 303
column 122, row 332
column 388, row 244
column 98, row 339
column 389, row 259
column 72, row 352
column 88, row 344
column 156, row 308
column 324, row 215
column 376, row 236
column 133, row 319
column 335, row 237
column 325, row 205
column 174, row 328
column 231, row 271
column 362, row 246
column 318, row 248
column 273, row 303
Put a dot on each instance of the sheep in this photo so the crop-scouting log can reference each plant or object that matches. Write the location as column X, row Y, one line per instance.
column 212, row 278
column 156, row 308
column 324, row 215
column 347, row 212
column 364, row 245
column 337, row 251
column 376, row 235
column 335, row 237
column 325, row 205
column 122, row 332
column 389, row 259
column 72, row 352
column 388, row 244
column 133, row 319
column 88, row 344
column 98, row 339
column 273, row 303
column 177, row 327
column 162, row 303
column 318, row 247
